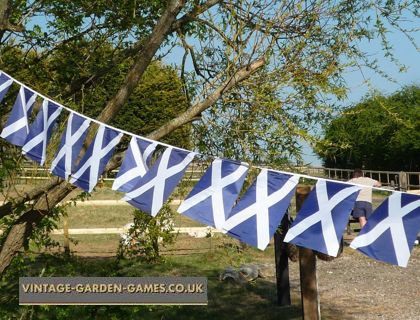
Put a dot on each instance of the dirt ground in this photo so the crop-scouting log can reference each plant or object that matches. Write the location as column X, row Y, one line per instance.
column 354, row 286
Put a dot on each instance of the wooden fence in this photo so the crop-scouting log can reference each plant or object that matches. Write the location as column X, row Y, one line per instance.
column 399, row 180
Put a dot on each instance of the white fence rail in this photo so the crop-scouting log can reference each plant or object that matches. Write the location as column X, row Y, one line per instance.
column 405, row 180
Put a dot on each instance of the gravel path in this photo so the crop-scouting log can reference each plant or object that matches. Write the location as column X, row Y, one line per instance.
column 354, row 286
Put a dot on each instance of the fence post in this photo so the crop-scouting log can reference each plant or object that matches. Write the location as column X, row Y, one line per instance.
column 307, row 268
column 66, row 235
column 403, row 181
column 282, row 264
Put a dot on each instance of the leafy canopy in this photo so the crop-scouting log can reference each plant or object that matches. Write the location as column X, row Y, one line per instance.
column 381, row 132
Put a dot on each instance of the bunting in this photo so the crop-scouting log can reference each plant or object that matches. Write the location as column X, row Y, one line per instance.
column 135, row 165
column 40, row 131
column 17, row 126
column 388, row 236
column 255, row 219
column 152, row 191
column 95, row 159
column 391, row 230
column 5, row 83
column 320, row 223
column 71, row 144
column 213, row 197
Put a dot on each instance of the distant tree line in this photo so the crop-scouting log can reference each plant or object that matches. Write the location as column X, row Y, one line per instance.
column 381, row 133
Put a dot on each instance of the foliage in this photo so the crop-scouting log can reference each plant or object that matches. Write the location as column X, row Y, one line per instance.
column 381, row 132
column 147, row 234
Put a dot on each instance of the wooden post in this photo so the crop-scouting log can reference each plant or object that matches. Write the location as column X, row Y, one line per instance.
column 282, row 264
column 66, row 235
column 307, row 267
column 403, row 181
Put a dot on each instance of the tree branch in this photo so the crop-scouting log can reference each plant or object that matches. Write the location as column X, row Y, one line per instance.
column 199, row 107
column 195, row 12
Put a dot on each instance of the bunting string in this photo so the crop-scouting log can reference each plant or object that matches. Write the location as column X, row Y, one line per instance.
column 253, row 218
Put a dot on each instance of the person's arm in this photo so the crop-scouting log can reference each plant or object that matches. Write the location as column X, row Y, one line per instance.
column 377, row 184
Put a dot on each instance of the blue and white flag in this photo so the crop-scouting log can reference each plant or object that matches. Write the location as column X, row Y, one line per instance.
column 212, row 198
column 255, row 218
column 391, row 230
column 135, row 165
column 151, row 191
column 321, row 221
column 95, row 159
column 72, row 140
column 5, row 83
column 17, row 126
column 40, row 132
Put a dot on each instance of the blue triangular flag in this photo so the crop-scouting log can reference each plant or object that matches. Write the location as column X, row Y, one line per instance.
column 321, row 221
column 5, row 83
column 71, row 144
column 17, row 126
column 391, row 230
column 40, row 131
column 135, row 164
column 213, row 197
column 155, row 187
column 95, row 159
column 255, row 218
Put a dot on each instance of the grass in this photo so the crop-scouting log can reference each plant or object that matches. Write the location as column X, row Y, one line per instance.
column 255, row 300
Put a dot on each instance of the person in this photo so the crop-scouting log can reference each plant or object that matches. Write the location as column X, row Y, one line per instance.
column 363, row 206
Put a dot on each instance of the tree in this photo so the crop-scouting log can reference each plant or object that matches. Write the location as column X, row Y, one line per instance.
column 271, row 62
column 381, row 133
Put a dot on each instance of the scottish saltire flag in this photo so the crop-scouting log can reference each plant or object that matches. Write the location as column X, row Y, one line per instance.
column 255, row 218
column 391, row 230
column 17, row 126
column 35, row 146
column 135, row 165
column 320, row 223
column 95, row 159
column 213, row 197
column 5, row 83
column 72, row 140
column 155, row 187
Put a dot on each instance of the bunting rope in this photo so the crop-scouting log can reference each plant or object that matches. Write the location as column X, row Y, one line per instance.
column 388, row 235
column 88, row 118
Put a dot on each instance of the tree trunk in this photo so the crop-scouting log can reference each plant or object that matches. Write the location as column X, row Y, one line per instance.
column 5, row 24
